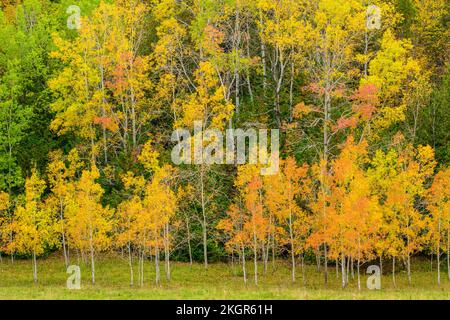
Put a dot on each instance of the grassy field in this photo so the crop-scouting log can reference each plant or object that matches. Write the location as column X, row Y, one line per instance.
column 220, row 281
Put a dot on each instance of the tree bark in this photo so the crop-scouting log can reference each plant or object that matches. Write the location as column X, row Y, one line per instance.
column 263, row 57
column 167, row 251
column 91, row 249
column 393, row 271
column 61, row 216
column 243, row 265
column 35, row 277
column 438, row 253
column 130, row 263
column 205, row 243
column 255, row 254
column 291, row 234
column 189, row 240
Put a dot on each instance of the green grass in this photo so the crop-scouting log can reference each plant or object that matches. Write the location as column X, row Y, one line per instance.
column 220, row 281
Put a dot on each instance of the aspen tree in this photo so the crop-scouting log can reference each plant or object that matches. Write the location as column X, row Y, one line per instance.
column 282, row 30
column 282, row 192
column 438, row 197
column 88, row 222
column 233, row 226
column 208, row 106
column 159, row 206
column 34, row 222
column 335, row 28
column 61, row 180
column 400, row 177
column 355, row 216
column 128, row 214
column 100, row 92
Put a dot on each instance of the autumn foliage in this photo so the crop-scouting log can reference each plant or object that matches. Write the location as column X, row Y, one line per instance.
column 87, row 120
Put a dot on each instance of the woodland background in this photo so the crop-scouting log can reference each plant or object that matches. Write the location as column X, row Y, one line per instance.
column 86, row 118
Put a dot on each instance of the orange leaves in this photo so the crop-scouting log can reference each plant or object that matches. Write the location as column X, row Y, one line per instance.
column 106, row 123
column 266, row 208
column 104, row 79
column 346, row 210
column 438, row 203
column 245, row 220
column 343, row 123
column 365, row 101
column 213, row 39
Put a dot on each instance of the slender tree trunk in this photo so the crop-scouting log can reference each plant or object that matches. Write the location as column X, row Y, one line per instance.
column 243, row 265
column 393, row 272
column 130, row 263
column 237, row 28
column 263, row 57
column 35, row 277
column 61, row 216
column 264, row 257
column 133, row 119
column 92, row 263
column 205, row 243
column 351, row 267
column 291, row 234
column 167, row 251
column 408, row 261
column 438, row 269
column 139, row 267
column 273, row 242
column 91, row 249
column 343, row 270
column 317, row 254
column 438, row 253
column 359, row 275
column 291, row 94
column 358, row 264
column 381, row 267
column 327, row 105
column 348, row 270
column 141, row 259
column 249, row 85
column 255, row 254
column 279, row 81
column 189, row 240
column 105, row 148
column 366, row 49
